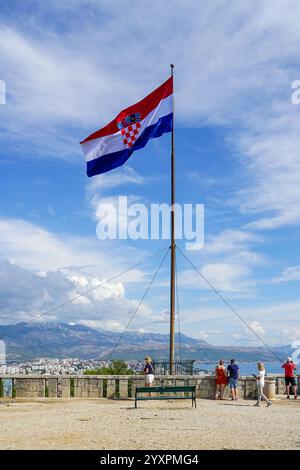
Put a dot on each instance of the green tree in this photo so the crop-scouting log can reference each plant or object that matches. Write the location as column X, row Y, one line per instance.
column 116, row 368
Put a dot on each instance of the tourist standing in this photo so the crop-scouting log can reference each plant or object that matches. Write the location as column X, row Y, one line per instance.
column 221, row 380
column 260, row 381
column 290, row 381
column 233, row 376
column 148, row 371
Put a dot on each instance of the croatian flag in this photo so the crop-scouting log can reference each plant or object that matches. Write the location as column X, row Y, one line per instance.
column 112, row 145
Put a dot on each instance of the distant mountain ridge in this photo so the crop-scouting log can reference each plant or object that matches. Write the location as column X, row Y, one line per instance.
column 28, row 341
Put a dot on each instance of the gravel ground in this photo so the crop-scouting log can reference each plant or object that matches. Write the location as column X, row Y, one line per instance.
column 109, row 424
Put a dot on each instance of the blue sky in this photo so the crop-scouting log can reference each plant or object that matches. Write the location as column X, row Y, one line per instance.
column 68, row 70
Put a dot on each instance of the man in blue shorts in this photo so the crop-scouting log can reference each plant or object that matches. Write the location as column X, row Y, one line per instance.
column 233, row 376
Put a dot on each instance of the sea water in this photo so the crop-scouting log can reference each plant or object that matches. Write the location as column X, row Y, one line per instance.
column 246, row 368
column 7, row 387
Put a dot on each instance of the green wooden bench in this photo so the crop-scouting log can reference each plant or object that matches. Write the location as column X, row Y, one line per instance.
column 166, row 393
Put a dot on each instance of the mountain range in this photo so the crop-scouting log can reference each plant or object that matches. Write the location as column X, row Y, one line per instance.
column 29, row 341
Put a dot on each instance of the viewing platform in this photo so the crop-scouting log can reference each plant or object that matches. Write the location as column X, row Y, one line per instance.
column 101, row 424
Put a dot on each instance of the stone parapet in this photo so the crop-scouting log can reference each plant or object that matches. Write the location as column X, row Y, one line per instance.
column 117, row 386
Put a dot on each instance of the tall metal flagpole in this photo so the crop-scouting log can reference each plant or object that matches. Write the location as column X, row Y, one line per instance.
column 173, row 246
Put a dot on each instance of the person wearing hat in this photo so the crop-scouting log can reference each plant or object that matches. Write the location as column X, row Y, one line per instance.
column 289, row 369
column 148, row 371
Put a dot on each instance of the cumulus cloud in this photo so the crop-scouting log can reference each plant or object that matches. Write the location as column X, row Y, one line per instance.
column 257, row 328
column 223, row 327
column 234, row 68
column 24, row 293
column 120, row 177
column 34, row 247
column 26, row 296
column 43, row 270
column 272, row 162
column 223, row 276
column 234, row 246
column 291, row 273
column 55, row 75
column 202, row 335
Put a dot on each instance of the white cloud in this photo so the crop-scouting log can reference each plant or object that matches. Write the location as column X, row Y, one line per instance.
column 291, row 273
column 234, row 66
column 287, row 311
column 237, row 336
column 223, row 276
column 223, row 327
column 97, row 196
column 227, row 260
column 224, row 56
column 115, row 290
column 44, row 270
column 120, row 177
column 26, row 296
column 234, row 246
column 107, row 325
column 33, row 247
column 51, row 210
column 292, row 333
column 230, row 240
column 201, row 335
column 272, row 162
column 161, row 317
column 257, row 328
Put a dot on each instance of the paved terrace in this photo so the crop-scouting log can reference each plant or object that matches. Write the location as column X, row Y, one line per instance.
column 97, row 412
column 59, row 423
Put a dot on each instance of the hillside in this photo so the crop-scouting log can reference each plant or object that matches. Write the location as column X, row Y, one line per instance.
column 27, row 341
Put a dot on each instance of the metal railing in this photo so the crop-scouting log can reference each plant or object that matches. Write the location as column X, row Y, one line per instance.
column 184, row 367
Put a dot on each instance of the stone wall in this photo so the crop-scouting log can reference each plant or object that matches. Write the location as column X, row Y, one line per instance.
column 122, row 387
column 28, row 387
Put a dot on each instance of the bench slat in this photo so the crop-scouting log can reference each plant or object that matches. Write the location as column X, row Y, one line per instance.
column 164, row 398
column 165, row 389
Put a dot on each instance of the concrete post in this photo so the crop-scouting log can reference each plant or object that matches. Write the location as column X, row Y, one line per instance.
column 51, row 385
column 63, row 388
column 123, row 388
column 111, row 384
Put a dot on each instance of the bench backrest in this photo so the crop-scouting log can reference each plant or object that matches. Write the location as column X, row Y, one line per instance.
column 167, row 388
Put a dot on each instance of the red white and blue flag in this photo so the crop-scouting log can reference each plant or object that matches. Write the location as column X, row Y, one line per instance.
column 112, row 145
